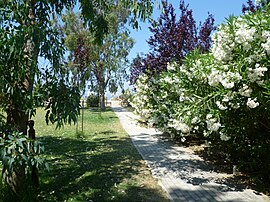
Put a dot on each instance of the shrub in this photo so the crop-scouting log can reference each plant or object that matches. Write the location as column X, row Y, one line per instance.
column 222, row 96
column 92, row 100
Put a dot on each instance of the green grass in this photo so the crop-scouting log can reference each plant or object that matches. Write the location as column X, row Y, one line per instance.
column 99, row 165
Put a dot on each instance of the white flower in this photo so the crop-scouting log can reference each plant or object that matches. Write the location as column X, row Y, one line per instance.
column 171, row 66
column 195, row 120
column 183, row 127
column 266, row 46
column 256, row 73
column 165, row 95
column 213, row 126
column 220, row 106
column 251, row 103
column 235, row 105
column 167, row 79
column 228, row 97
column 182, row 97
column 244, row 34
column 222, row 44
column 257, row 2
column 145, row 112
column 245, row 91
column 227, row 84
column 260, row 71
column 260, row 82
column 265, row 34
column 178, row 125
column 209, row 116
column 224, row 137
column 225, row 99
column 183, row 139
column 214, row 78
column 205, row 133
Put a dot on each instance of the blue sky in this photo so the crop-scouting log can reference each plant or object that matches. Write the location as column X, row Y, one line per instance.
column 221, row 9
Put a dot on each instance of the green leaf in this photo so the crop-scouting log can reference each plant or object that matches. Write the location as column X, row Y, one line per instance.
column 19, row 142
column 24, row 157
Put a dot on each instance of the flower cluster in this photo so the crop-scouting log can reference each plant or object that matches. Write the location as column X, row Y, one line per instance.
column 226, row 78
column 255, row 74
column 212, row 123
column 222, row 96
column 251, row 103
column 266, row 44
column 223, row 44
column 197, row 96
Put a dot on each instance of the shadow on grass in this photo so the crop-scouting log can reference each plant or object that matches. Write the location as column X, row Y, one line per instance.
column 99, row 170
column 107, row 132
column 97, row 109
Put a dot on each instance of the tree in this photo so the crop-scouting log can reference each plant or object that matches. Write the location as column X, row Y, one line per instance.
column 253, row 7
column 172, row 40
column 26, row 34
column 104, row 64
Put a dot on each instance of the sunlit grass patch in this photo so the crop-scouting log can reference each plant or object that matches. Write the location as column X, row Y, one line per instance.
column 100, row 164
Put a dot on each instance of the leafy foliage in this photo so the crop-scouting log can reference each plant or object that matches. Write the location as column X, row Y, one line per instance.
column 221, row 96
column 17, row 150
column 96, row 14
column 92, row 100
column 172, row 39
column 27, row 34
column 126, row 98
column 103, row 65
column 19, row 66
column 253, row 7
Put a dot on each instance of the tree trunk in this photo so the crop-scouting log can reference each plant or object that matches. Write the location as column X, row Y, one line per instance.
column 16, row 180
column 102, row 100
column 17, row 117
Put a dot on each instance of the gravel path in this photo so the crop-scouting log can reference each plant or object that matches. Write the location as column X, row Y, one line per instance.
column 183, row 174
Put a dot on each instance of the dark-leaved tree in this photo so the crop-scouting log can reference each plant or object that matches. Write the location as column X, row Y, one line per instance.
column 172, row 39
column 252, row 7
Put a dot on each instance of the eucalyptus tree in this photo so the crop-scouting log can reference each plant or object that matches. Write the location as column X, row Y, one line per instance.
column 102, row 65
column 27, row 34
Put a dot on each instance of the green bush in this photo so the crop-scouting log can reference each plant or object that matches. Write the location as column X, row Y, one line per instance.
column 92, row 100
column 222, row 96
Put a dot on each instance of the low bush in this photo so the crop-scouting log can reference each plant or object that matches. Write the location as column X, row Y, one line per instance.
column 92, row 100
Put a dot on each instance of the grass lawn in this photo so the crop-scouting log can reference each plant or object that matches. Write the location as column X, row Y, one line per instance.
column 101, row 165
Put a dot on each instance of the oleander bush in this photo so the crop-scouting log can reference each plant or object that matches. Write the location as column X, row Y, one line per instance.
column 222, row 96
